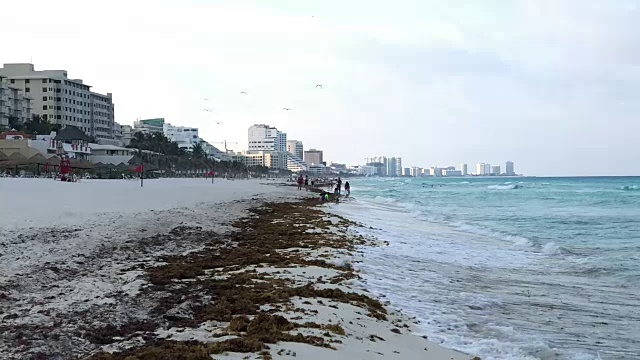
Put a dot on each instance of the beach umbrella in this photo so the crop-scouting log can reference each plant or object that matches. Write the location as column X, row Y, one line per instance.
column 18, row 159
column 53, row 160
column 37, row 158
column 80, row 164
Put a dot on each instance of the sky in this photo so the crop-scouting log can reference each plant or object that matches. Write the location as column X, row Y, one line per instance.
column 552, row 85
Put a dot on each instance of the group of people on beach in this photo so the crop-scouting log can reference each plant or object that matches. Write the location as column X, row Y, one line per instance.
column 303, row 181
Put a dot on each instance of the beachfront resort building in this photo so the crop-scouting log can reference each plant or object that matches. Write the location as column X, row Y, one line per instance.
column 483, row 169
column 270, row 159
column 185, row 137
column 127, row 133
column 148, row 126
column 495, row 170
column 451, row 172
column 267, row 147
column 387, row 166
column 266, row 138
column 509, row 170
column 296, row 148
column 464, row 169
column 15, row 106
column 295, row 156
column 314, row 157
column 62, row 100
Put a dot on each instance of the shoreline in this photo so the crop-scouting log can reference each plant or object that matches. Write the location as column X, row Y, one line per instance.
column 278, row 282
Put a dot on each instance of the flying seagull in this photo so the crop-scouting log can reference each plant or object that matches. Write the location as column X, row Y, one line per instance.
column 242, row 92
column 209, row 110
column 320, row 86
column 286, row 109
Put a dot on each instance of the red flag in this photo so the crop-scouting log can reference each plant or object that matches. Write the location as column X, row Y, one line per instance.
column 211, row 173
column 138, row 169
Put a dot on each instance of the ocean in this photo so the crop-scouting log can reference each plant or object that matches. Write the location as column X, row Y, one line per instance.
column 508, row 268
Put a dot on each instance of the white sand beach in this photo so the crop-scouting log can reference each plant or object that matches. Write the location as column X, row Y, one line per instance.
column 77, row 256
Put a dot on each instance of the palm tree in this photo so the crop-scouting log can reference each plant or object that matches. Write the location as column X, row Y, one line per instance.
column 197, row 151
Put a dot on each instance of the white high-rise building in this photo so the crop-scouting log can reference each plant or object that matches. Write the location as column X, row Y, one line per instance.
column 185, row 137
column 464, row 169
column 388, row 166
column 495, row 170
column 63, row 101
column 14, row 104
column 509, row 170
column 266, row 138
column 127, row 133
column 483, row 169
column 296, row 148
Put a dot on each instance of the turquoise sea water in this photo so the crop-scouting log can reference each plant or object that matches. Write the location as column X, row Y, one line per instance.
column 509, row 268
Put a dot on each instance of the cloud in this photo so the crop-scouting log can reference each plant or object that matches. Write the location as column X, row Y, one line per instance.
column 549, row 84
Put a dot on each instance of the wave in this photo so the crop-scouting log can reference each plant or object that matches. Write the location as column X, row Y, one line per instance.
column 630, row 187
column 504, row 187
column 550, row 249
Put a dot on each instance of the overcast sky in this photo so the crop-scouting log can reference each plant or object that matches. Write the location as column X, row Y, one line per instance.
column 552, row 85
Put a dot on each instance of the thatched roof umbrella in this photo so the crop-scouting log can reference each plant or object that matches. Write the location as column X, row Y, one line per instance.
column 18, row 159
column 14, row 160
column 38, row 159
column 53, row 160
column 80, row 164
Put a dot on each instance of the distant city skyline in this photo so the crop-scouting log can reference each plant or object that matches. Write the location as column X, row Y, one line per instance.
column 480, row 169
column 550, row 84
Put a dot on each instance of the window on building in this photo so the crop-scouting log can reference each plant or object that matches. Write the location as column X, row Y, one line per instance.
column 44, row 98
column 44, row 89
column 27, row 81
column 59, row 117
column 13, row 81
column 50, row 80
column 58, row 107
column 58, row 98
column 50, row 97
column 44, row 81
column 58, row 90
column 44, row 107
column 27, row 89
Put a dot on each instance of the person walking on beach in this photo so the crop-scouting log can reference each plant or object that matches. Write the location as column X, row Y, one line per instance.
column 306, row 182
column 347, row 189
column 300, row 181
column 339, row 185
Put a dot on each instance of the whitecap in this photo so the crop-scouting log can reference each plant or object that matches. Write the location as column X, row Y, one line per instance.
column 503, row 187
column 550, row 249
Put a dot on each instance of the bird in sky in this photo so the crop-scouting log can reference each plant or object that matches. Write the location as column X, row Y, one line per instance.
column 207, row 99
column 242, row 92
column 209, row 110
column 286, row 109
column 320, row 86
